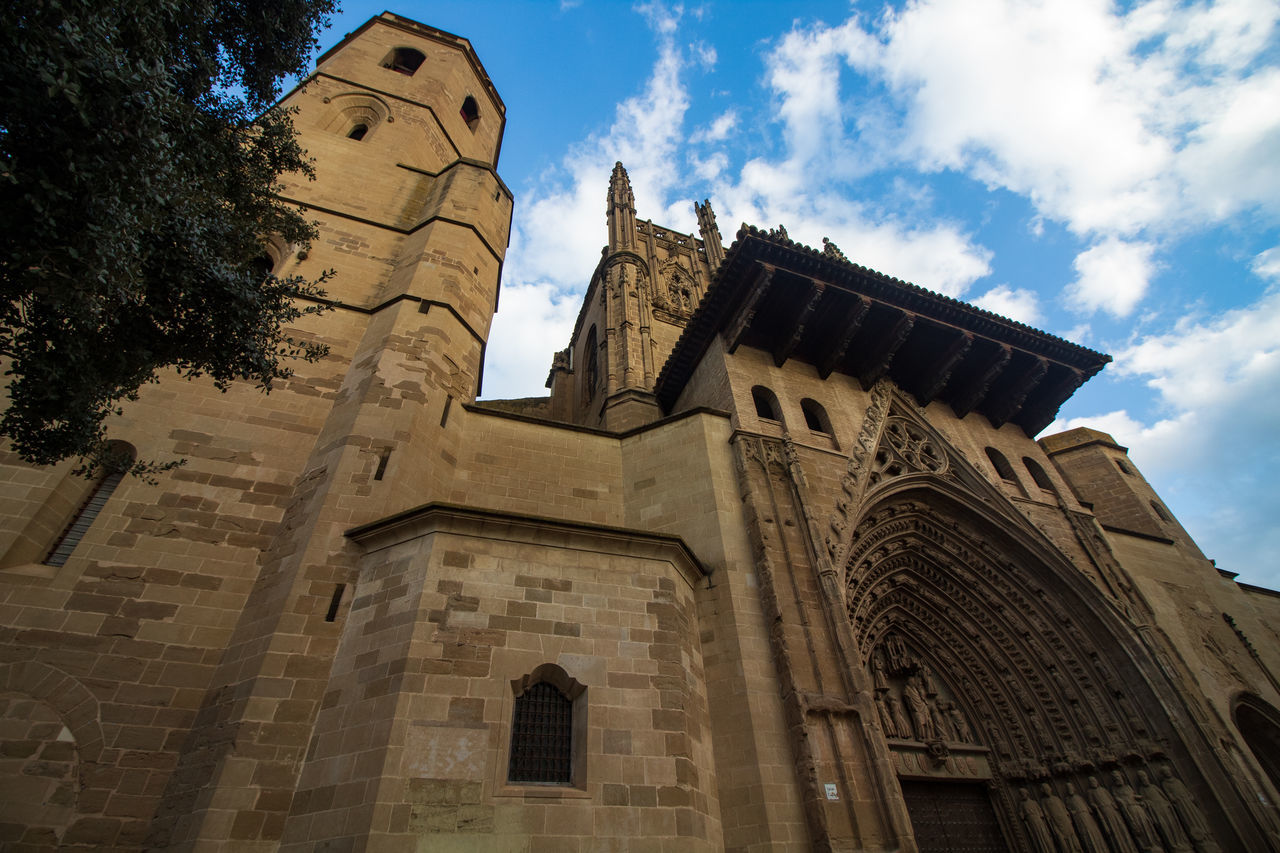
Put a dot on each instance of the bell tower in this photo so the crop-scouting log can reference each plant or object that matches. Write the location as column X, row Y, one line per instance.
column 405, row 128
column 645, row 288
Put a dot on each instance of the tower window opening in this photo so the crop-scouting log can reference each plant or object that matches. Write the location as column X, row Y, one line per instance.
column 470, row 112
column 815, row 416
column 1160, row 511
column 404, row 60
column 358, row 132
column 766, row 403
column 1124, row 469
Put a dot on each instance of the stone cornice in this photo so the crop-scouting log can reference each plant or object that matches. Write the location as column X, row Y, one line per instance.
column 529, row 529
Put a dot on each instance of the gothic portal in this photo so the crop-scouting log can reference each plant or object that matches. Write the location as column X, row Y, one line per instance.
column 777, row 564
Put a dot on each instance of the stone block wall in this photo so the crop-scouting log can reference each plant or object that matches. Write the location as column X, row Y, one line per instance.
column 453, row 605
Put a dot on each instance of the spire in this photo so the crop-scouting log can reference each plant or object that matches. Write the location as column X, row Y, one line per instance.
column 710, row 233
column 621, row 210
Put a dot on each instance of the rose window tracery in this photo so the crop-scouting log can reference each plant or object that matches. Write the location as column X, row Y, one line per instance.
column 905, row 448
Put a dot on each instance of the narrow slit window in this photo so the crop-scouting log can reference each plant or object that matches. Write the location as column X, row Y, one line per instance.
column 1160, row 511
column 1124, row 469
column 358, row 132
column 444, row 414
column 383, row 456
column 85, row 515
column 335, row 602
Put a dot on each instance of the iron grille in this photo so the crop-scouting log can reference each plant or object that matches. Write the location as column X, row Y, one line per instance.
column 83, row 518
column 541, row 737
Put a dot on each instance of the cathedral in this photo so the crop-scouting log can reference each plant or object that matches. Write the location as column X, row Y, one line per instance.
column 777, row 564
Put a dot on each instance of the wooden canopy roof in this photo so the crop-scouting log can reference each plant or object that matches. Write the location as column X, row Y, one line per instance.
column 796, row 302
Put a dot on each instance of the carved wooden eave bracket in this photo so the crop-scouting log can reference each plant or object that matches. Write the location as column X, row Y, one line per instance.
column 798, row 303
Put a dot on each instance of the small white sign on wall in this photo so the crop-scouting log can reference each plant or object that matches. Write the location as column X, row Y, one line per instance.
column 831, row 791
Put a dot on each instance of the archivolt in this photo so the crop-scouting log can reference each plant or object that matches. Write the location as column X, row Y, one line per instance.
column 994, row 626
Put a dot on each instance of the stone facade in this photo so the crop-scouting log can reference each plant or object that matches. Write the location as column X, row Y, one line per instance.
column 779, row 550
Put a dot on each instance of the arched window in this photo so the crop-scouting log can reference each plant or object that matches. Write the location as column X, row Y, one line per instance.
column 815, row 417
column 548, row 725
column 591, row 367
column 405, row 60
column 766, row 404
column 1037, row 473
column 262, row 266
column 470, row 112
column 85, row 514
column 1002, row 466
column 1160, row 511
column 357, row 133
column 1259, row 723
column 1124, row 469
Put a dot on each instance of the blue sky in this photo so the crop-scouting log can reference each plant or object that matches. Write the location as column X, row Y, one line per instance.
column 1106, row 172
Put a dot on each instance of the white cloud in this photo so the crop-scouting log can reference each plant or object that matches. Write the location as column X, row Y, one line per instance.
column 1213, row 454
column 559, row 224
column 719, row 129
column 1014, row 303
column 705, row 54
column 1110, row 123
column 1267, row 264
column 1112, row 276
column 534, row 321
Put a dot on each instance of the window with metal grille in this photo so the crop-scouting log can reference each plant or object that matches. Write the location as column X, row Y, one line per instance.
column 81, row 521
column 542, row 737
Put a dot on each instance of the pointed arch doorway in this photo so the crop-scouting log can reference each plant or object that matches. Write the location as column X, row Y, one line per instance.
column 996, row 679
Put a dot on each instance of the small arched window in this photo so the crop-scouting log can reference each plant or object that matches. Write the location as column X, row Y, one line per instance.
column 1038, row 476
column 470, row 112
column 1002, row 466
column 1124, row 469
column 548, row 723
column 405, row 60
column 766, row 403
column 262, row 266
column 1160, row 511
column 815, row 417
column 357, row 133
column 82, row 520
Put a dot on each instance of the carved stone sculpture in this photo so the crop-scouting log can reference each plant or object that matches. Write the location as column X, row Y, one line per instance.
column 1087, row 830
column 914, row 697
column 1135, row 814
column 886, row 719
column 1187, row 811
column 959, row 723
column 1110, row 821
column 1162, row 815
column 899, row 657
column 940, row 727
column 1055, row 810
column 1033, row 818
column 878, row 676
column 900, row 721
